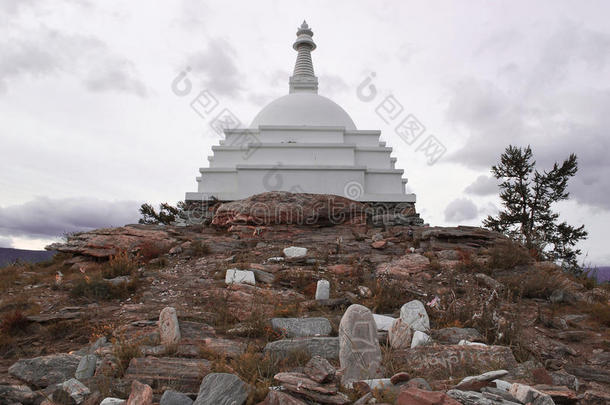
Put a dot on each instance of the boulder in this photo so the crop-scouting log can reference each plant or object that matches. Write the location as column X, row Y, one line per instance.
column 400, row 335
column 359, row 350
column 169, row 328
column 403, row 267
column 171, row 397
column 221, row 389
column 301, row 327
column 414, row 314
column 141, row 394
column 86, row 367
column 322, row 290
column 529, row 395
column 319, row 369
column 326, row 347
column 71, row 392
column 179, row 373
column 46, row 370
column 17, row 394
column 281, row 207
column 236, row 276
column 447, row 361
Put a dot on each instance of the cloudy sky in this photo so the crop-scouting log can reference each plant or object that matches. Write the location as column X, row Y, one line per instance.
column 90, row 126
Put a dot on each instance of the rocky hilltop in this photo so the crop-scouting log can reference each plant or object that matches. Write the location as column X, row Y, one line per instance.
column 300, row 299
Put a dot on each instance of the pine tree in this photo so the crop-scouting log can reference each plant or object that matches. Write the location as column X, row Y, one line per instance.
column 166, row 215
column 527, row 197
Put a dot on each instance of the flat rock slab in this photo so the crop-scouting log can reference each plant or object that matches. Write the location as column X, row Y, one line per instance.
column 169, row 328
column 179, row 373
column 236, row 276
column 443, row 362
column 222, row 389
column 326, row 347
column 46, row 370
column 302, row 327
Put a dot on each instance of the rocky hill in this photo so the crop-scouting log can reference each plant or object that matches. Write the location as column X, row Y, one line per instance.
column 264, row 307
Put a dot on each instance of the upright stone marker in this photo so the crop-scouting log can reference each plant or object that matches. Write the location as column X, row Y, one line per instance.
column 359, row 351
column 323, row 290
column 169, row 329
column 415, row 315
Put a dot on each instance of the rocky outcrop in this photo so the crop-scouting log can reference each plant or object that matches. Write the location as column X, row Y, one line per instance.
column 279, row 207
column 441, row 238
column 47, row 370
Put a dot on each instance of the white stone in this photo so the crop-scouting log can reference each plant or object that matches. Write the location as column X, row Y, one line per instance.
column 236, row 276
column 383, row 322
column 276, row 259
column 323, row 290
column 169, row 328
column 414, row 313
column 465, row 342
column 294, row 252
column 419, row 339
column 113, row 401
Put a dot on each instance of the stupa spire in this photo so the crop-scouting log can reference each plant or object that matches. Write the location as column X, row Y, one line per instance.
column 303, row 78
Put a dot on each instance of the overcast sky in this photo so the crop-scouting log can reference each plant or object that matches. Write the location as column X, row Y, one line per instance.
column 90, row 126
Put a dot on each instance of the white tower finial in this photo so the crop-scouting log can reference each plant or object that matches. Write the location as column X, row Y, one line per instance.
column 303, row 78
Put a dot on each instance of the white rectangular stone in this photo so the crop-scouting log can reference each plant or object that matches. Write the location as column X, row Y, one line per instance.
column 239, row 277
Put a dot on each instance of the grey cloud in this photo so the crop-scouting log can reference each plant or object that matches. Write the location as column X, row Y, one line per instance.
column 218, row 66
column 45, row 51
column 118, row 76
column 483, row 185
column 6, row 242
column 461, row 209
column 555, row 120
column 46, row 217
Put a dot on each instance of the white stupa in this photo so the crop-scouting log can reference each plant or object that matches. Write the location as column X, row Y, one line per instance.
column 302, row 142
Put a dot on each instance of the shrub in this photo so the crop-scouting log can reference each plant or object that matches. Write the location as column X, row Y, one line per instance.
column 124, row 351
column 508, row 255
column 151, row 250
column 103, row 290
column 600, row 313
column 387, row 296
column 14, row 323
column 121, row 264
column 258, row 369
column 535, row 283
column 200, row 249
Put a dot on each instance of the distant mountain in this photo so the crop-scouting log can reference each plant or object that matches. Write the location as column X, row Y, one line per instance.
column 10, row 255
column 601, row 273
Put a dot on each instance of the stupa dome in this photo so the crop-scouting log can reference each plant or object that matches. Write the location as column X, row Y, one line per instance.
column 303, row 109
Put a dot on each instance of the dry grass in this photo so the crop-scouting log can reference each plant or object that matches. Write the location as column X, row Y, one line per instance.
column 151, row 250
column 508, row 255
column 258, row 369
column 121, row 264
column 99, row 289
column 199, row 249
column 125, row 350
column 14, row 323
column 537, row 282
column 599, row 312
column 387, row 296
